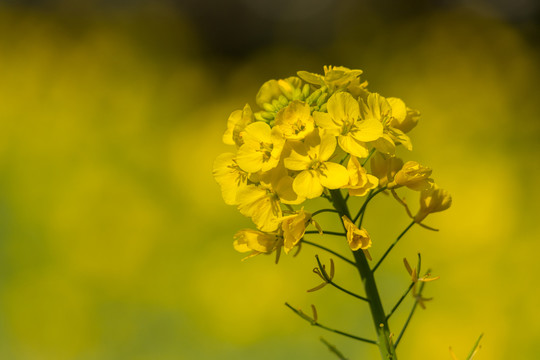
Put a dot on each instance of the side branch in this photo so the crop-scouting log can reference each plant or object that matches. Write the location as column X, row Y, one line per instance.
column 418, row 296
column 400, row 301
column 392, row 246
column 335, row 233
column 323, row 211
column 329, row 251
column 371, row 195
column 315, row 323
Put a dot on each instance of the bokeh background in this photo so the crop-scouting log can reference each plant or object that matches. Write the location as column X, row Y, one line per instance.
column 115, row 242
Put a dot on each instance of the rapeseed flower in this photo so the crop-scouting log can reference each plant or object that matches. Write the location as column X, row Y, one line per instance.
column 257, row 242
column 316, row 172
column 357, row 238
column 295, row 122
column 261, row 149
column 432, row 200
column 237, row 122
column 360, row 182
column 343, row 120
column 294, row 228
column 414, row 176
column 229, row 176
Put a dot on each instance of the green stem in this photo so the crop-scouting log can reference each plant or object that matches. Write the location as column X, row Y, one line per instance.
column 315, row 323
column 475, row 348
column 410, row 315
column 333, row 349
column 371, row 195
column 418, row 269
column 366, row 159
column 325, row 232
column 330, row 251
column 393, row 244
column 323, row 211
column 386, row 347
column 400, row 300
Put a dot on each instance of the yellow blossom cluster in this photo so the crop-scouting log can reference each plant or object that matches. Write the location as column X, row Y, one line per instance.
column 309, row 134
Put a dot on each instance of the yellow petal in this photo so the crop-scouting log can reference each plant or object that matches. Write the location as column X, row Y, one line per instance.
column 308, row 184
column 327, row 147
column 343, row 108
column 296, row 161
column 249, row 160
column 261, row 206
column 367, row 130
column 385, row 145
column 325, row 121
column 229, row 176
column 399, row 110
column 333, row 176
column 258, row 131
column 354, row 147
column 286, row 193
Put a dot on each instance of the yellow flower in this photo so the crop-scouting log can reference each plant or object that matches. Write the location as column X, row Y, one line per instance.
column 295, row 121
column 229, row 176
column 255, row 241
column 261, row 204
column 343, row 120
column 385, row 168
column 261, row 149
column 280, row 183
column 316, row 172
column 357, row 238
column 431, row 201
column 403, row 118
column 414, row 176
column 335, row 77
column 294, row 227
column 360, row 182
column 389, row 112
column 237, row 122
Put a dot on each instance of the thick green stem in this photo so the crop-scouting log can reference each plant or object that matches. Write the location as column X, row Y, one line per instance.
column 386, row 347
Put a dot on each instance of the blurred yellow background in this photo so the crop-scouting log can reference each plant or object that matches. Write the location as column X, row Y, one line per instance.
column 114, row 239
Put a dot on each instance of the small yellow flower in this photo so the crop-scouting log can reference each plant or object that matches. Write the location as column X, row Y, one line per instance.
column 280, row 182
column 294, row 227
column 316, row 172
column 261, row 149
column 414, row 176
column 360, row 182
column 385, row 168
column 357, row 238
column 431, row 201
column 335, row 77
column 229, row 176
column 403, row 118
column 343, row 120
column 261, row 204
column 255, row 241
column 295, row 121
column 389, row 112
column 237, row 122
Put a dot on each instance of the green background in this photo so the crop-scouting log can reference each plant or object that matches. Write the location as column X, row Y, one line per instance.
column 114, row 239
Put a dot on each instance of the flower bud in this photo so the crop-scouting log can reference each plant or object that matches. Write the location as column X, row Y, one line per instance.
column 431, row 201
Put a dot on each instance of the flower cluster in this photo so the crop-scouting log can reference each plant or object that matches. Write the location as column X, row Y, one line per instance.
column 309, row 134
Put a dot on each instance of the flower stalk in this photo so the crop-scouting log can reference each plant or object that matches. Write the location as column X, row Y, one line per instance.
column 384, row 341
